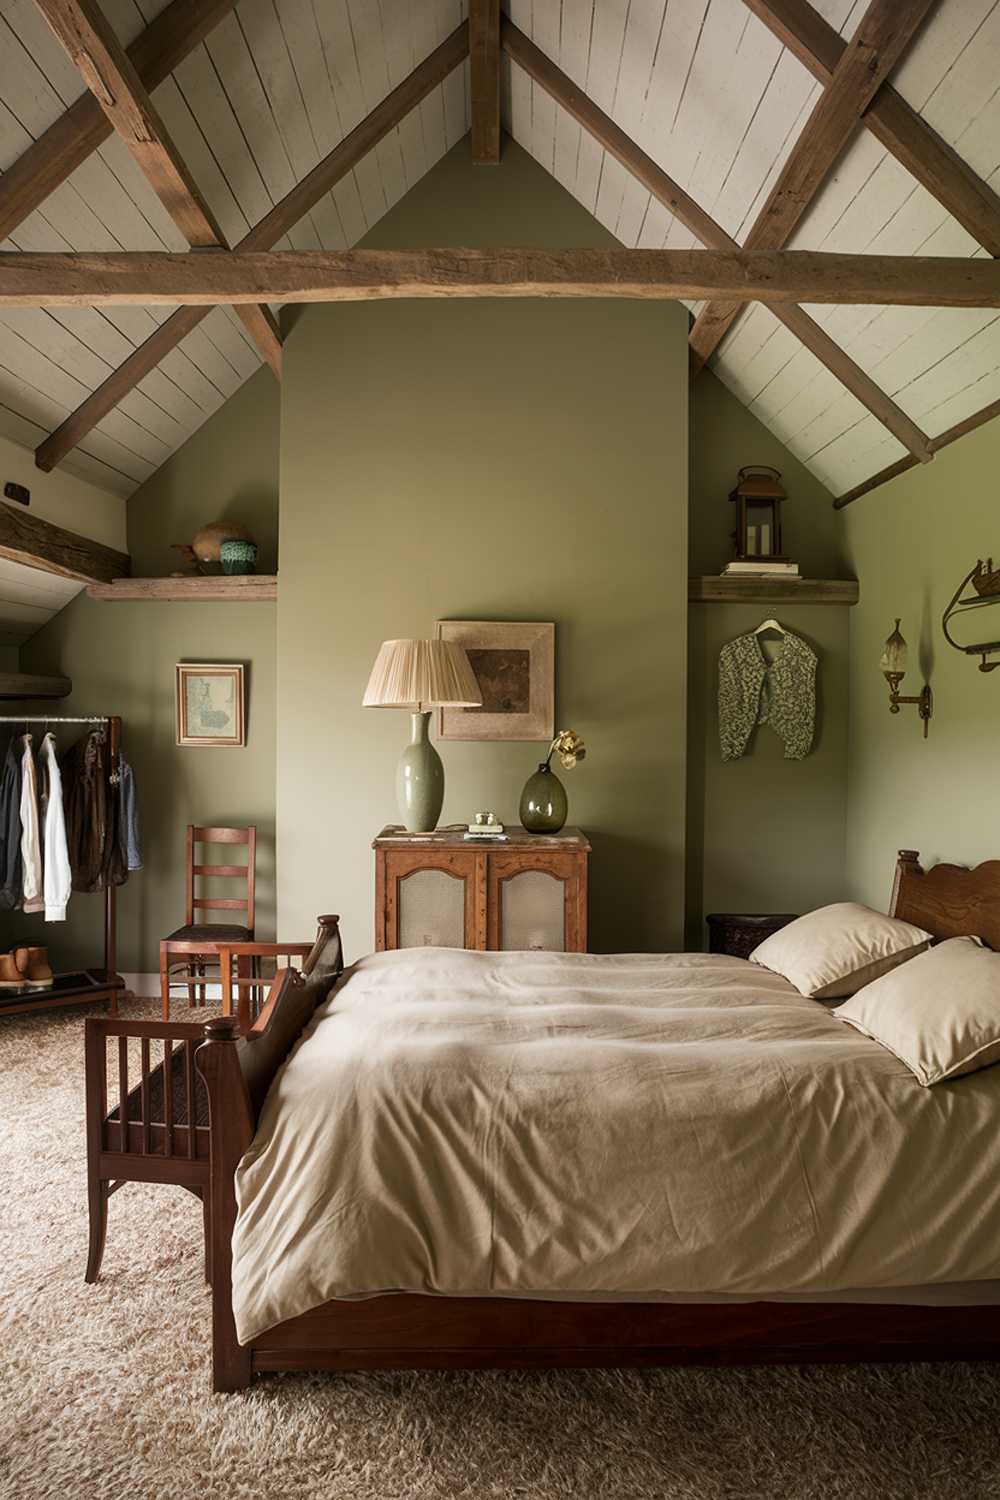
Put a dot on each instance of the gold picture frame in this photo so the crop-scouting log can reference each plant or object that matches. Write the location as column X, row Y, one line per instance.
column 211, row 705
column 514, row 664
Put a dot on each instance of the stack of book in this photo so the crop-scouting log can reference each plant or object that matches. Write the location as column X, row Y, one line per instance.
column 486, row 829
column 764, row 569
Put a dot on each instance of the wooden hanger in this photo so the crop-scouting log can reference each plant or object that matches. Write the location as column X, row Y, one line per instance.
column 770, row 625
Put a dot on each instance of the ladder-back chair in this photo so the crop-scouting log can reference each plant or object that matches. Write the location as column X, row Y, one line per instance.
column 191, row 948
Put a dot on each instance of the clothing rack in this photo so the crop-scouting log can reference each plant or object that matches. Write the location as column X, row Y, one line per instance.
column 87, row 986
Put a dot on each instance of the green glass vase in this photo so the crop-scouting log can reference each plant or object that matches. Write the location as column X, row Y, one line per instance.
column 543, row 802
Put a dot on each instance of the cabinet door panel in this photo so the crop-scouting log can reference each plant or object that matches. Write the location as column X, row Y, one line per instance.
column 533, row 912
column 547, row 910
column 431, row 906
column 431, row 899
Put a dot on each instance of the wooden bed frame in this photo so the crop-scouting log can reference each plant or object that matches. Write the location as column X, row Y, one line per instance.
column 405, row 1330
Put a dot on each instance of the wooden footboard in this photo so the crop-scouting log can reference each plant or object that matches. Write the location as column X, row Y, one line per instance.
column 238, row 1070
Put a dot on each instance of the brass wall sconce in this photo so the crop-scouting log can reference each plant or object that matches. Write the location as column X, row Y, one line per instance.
column 893, row 665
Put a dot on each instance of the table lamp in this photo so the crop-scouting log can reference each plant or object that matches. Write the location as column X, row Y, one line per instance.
column 421, row 675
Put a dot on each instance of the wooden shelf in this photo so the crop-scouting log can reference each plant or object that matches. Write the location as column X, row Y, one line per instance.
column 715, row 589
column 241, row 588
column 25, row 685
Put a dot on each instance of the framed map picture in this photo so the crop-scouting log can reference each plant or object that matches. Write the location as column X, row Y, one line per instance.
column 210, row 705
column 514, row 665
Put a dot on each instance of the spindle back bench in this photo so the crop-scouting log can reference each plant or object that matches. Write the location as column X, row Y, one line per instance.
column 158, row 1129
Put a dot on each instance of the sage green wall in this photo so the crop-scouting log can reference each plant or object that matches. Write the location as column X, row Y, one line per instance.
column 764, row 834
column 487, row 459
column 912, row 541
column 121, row 659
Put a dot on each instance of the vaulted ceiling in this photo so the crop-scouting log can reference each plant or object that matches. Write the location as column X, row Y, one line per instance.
column 704, row 87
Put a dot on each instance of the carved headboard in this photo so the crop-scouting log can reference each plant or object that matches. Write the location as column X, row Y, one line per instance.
column 948, row 900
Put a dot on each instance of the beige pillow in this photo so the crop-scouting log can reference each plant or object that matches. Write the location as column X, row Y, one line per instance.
column 939, row 1015
column 834, row 951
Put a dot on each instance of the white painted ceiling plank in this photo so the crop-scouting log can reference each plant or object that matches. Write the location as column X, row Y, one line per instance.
column 224, row 329
column 20, row 429
column 544, row 32
column 964, row 403
column 200, row 159
column 401, row 59
column 24, row 359
column 19, row 394
column 854, row 456
column 36, row 585
column 923, row 73
column 204, row 93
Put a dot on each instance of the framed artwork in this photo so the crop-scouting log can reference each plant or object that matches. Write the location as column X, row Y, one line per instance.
column 514, row 663
column 210, row 705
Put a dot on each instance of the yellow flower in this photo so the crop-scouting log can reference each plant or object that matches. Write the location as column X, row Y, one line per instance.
column 570, row 748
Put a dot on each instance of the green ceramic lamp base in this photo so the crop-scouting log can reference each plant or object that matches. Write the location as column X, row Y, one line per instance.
column 420, row 779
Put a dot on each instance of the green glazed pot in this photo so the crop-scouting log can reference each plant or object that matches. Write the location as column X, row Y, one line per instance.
column 543, row 802
column 420, row 779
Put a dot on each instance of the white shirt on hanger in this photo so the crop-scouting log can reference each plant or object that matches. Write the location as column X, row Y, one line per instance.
column 57, row 877
column 31, row 847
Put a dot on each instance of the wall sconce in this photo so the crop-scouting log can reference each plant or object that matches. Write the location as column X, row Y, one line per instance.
column 893, row 665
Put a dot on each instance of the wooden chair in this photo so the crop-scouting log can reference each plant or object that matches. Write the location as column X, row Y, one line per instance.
column 191, row 947
column 164, row 1136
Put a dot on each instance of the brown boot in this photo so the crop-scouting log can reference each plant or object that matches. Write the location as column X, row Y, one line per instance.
column 37, row 967
column 10, row 974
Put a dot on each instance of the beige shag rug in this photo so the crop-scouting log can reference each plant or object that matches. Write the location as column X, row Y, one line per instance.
column 104, row 1390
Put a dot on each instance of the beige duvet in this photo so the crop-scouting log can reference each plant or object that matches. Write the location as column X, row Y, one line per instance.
column 580, row 1125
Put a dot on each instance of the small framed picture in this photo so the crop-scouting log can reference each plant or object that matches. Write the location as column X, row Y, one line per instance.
column 210, row 705
column 514, row 665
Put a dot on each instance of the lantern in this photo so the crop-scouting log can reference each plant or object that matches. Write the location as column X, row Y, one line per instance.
column 758, row 497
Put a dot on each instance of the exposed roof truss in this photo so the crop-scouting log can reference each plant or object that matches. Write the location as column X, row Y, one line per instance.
column 646, row 99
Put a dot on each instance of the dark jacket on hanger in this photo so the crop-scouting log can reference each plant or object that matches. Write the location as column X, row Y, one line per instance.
column 10, row 828
column 92, row 807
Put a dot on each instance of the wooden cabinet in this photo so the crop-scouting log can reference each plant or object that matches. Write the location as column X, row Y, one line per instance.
column 440, row 890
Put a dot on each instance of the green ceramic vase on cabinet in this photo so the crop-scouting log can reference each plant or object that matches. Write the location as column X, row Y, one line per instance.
column 543, row 802
column 420, row 779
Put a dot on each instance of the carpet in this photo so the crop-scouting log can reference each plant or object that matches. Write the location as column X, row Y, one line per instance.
column 104, row 1390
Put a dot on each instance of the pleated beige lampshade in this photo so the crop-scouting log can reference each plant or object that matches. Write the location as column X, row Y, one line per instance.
column 427, row 674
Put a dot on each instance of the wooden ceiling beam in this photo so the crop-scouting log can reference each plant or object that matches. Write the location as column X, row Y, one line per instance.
column 211, row 277
column 27, row 539
column 484, row 64
column 882, row 36
column 934, row 164
column 892, row 471
column 304, row 196
column 50, row 160
column 705, row 229
column 112, row 78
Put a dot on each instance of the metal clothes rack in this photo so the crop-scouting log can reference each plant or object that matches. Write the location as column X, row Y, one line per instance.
column 86, row 986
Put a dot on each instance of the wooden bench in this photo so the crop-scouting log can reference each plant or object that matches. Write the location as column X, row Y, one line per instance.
column 157, row 1130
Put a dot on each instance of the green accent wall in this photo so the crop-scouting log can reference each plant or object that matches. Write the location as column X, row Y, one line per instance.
column 763, row 834
column 121, row 659
column 912, row 541
column 495, row 459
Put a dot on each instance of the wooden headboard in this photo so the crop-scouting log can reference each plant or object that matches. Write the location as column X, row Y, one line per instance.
column 948, row 900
